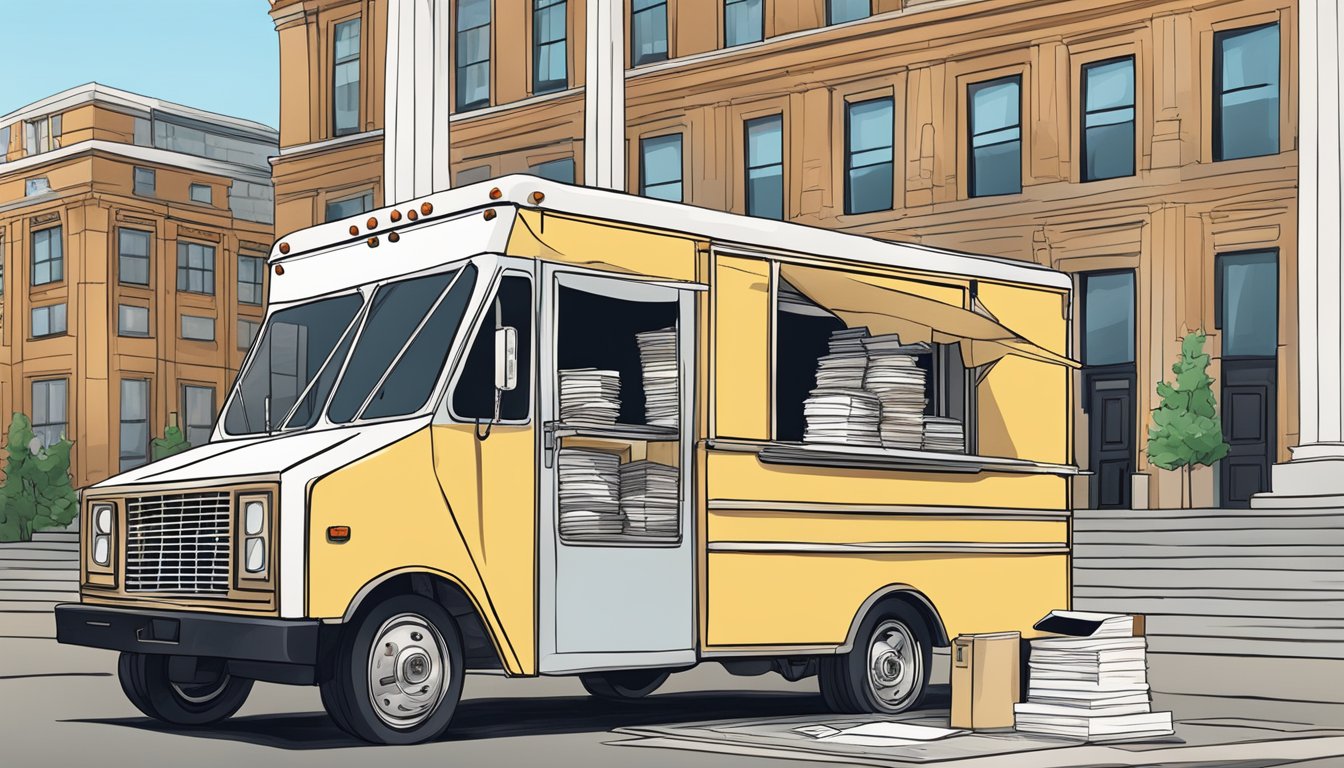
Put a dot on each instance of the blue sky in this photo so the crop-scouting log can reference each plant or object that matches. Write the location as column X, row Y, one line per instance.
column 219, row 55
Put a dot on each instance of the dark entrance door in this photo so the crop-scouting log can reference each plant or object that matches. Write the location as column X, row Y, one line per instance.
column 1110, row 407
column 1249, row 427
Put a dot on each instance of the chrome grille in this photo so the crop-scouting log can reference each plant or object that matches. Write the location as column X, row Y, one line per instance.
column 178, row 543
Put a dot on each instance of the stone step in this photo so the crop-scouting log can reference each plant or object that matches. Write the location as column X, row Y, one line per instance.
column 1247, row 548
column 29, row 606
column 1174, row 514
column 57, row 546
column 1273, row 537
column 57, row 568
column 39, row 559
column 56, row 535
column 1143, row 601
column 1178, row 565
column 1177, row 523
column 10, row 586
column 1233, row 646
column 13, row 575
column 1293, row 679
column 56, row 595
column 1257, row 580
column 1240, row 628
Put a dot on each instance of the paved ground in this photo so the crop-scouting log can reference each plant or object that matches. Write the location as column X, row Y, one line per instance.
column 62, row 706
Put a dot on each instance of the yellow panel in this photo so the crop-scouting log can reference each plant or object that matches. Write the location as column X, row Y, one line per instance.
column 811, row 599
column 602, row 245
column 742, row 476
column 742, row 348
column 833, row 528
column 1035, row 314
column 1023, row 411
column 399, row 521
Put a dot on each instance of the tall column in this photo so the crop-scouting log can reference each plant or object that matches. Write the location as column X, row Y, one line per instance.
column 604, row 96
column 415, row 120
column 1315, row 476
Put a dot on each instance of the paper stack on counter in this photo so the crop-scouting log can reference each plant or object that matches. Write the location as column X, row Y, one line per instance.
column 894, row 375
column 649, row 498
column 843, row 416
column 590, row 493
column 658, row 363
column 944, row 434
column 1091, row 684
column 589, row 396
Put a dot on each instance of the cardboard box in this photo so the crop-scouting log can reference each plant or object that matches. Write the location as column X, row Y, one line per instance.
column 986, row 680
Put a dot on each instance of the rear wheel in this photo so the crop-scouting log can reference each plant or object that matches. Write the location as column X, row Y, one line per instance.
column 623, row 685
column 887, row 670
column 398, row 672
column 210, row 697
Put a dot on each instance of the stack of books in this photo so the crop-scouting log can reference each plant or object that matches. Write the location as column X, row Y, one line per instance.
column 590, row 494
column 895, row 377
column 658, row 363
column 1091, row 685
column 649, row 498
column 944, row 434
column 589, row 396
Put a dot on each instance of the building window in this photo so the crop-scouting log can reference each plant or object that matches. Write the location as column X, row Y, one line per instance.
column 648, row 42
column 345, row 78
column 765, row 167
column 201, row 193
column 36, row 186
column 144, row 182
column 1247, row 296
column 49, row 413
column 134, row 423
column 743, row 22
column 2, row 264
column 1246, row 92
column 840, row 11
column 549, row 70
column 996, row 137
column 473, row 54
column 660, row 167
column 48, row 256
column 1108, row 318
column 247, row 332
column 133, row 256
column 4, row 143
column 250, row 272
column 196, row 268
column 869, row 137
column 198, row 414
column 561, row 170
column 197, row 328
column 350, row 206
column 1108, row 119
column 48, row 320
column 132, row 320
column 42, row 135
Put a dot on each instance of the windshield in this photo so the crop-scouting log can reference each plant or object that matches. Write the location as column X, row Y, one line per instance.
column 395, row 355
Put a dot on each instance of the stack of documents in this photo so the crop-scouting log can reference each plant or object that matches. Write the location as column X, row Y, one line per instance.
column 898, row 381
column 590, row 493
column 845, row 360
column 944, row 434
column 843, row 416
column 1092, row 685
column 649, row 498
column 658, row 362
column 589, row 396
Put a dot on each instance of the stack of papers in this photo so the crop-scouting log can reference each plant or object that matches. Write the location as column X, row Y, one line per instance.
column 649, row 498
column 843, row 365
column 844, row 416
column 590, row 493
column 589, row 396
column 1092, row 685
column 658, row 362
column 944, row 434
column 898, row 381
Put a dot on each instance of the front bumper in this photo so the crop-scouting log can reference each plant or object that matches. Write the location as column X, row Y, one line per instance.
column 255, row 647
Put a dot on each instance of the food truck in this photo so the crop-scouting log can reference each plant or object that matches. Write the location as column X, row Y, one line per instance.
column 527, row 428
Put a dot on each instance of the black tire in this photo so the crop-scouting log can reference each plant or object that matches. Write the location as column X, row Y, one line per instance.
column 400, row 622
column 623, row 685
column 144, row 679
column 850, row 682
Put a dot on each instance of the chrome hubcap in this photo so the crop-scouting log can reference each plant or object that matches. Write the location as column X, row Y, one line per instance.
column 895, row 664
column 408, row 670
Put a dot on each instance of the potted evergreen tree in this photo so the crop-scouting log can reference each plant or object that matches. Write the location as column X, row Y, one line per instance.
column 1187, row 431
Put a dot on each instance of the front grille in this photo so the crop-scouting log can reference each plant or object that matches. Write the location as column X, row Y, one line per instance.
column 178, row 543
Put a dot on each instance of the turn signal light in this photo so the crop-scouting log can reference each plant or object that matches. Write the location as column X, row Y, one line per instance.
column 489, row 214
column 373, row 242
column 279, row 269
column 495, row 194
column 393, row 237
column 338, row 533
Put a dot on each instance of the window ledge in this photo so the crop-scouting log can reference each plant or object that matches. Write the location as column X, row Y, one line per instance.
column 815, row 454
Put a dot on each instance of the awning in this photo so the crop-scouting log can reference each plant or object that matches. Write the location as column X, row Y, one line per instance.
column 881, row 305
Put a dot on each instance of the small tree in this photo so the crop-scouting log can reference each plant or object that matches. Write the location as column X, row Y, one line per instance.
column 172, row 441
column 37, row 492
column 1186, row 429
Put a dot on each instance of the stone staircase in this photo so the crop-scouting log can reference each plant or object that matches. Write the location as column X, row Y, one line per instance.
column 36, row 575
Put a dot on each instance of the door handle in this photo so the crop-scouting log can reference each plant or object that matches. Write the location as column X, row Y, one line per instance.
column 548, row 444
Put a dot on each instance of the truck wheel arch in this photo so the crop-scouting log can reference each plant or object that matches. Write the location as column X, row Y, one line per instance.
column 906, row 594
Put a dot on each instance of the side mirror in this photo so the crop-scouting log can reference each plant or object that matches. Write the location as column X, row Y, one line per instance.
column 506, row 359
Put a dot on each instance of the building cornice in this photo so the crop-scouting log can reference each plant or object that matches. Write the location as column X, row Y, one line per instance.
column 150, row 155
column 298, row 150
column 137, row 105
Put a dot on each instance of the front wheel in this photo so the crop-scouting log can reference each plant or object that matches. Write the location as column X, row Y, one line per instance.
column 623, row 685
column 211, row 697
column 398, row 673
column 887, row 670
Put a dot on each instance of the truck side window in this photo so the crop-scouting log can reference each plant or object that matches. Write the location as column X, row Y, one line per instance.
column 474, row 396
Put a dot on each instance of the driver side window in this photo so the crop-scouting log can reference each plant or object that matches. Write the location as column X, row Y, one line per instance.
column 474, row 395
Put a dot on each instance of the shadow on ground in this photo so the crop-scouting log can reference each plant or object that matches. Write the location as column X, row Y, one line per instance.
column 495, row 718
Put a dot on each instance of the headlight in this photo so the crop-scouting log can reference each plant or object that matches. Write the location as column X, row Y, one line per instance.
column 254, row 518
column 104, row 518
column 255, row 527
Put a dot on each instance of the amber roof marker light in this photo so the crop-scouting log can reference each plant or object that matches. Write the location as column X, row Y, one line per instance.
column 537, row 197
column 393, row 237
column 373, row 242
column 279, row 269
column 284, row 247
column 488, row 214
column 412, row 215
column 426, row 208
column 372, row 223
column 354, row 229
column 395, row 216
column 495, row 193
